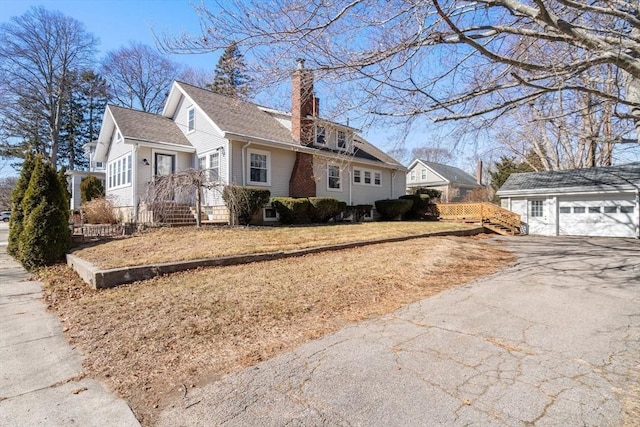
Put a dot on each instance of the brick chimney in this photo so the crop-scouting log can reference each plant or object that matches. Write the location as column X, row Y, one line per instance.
column 303, row 104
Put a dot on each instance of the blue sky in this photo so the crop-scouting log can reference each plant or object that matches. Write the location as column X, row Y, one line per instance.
column 117, row 22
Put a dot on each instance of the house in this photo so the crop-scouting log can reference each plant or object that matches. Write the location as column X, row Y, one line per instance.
column 600, row 201
column 295, row 153
column 454, row 183
column 75, row 177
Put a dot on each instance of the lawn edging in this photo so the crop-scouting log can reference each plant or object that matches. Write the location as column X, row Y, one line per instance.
column 109, row 278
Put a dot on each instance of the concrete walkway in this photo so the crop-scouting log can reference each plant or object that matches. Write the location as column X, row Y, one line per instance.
column 41, row 378
column 552, row 341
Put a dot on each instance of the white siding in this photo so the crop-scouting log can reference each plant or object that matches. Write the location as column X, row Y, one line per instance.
column 119, row 196
column 579, row 221
column 281, row 164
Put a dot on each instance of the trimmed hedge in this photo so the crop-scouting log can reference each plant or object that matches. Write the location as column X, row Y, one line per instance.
column 292, row 210
column 244, row 202
column 390, row 209
column 431, row 192
column 419, row 207
column 324, row 208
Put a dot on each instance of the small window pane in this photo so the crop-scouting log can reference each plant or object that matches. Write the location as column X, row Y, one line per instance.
column 565, row 209
column 627, row 209
column 333, row 173
column 192, row 119
column 610, row 209
column 536, row 208
column 578, row 209
column 594, row 209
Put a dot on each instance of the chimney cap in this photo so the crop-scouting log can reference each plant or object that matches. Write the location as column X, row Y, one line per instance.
column 300, row 62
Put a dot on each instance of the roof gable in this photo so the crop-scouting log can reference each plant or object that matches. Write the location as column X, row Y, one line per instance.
column 608, row 178
column 235, row 116
column 451, row 174
column 139, row 125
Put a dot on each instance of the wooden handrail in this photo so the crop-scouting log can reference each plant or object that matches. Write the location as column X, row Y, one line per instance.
column 479, row 212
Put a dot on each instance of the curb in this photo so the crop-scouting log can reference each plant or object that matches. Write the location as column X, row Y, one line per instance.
column 101, row 279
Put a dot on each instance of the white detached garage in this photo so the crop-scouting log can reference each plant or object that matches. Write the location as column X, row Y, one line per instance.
column 602, row 201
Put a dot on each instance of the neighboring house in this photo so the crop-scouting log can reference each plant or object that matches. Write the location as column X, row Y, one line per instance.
column 74, row 177
column 295, row 154
column 600, row 201
column 454, row 183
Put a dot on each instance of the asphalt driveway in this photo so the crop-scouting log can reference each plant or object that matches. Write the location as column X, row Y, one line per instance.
column 551, row 341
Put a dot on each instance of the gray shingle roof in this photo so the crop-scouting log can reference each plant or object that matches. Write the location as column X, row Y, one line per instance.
column 452, row 174
column 599, row 178
column 237, row 116
column 147, row 126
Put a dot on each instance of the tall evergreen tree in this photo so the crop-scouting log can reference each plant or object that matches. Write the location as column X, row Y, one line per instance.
column 505, row 167
column 16, row 224
column 85, row 104
column 230, row 74
column 46, row 235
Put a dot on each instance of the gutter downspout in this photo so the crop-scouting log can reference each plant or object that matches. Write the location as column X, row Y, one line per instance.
column 350, row 183
column 637, row 209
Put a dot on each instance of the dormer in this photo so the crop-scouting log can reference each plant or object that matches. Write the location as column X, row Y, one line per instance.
column 332, row 136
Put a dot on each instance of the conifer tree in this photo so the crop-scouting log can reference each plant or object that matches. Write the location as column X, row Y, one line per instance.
column 16, row 224
column 230, row 77
column 46, row 235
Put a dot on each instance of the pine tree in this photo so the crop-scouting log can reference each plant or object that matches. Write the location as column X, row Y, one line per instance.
column 230, row 74
column 505, row 167
column 16, row 224
column 46, row 235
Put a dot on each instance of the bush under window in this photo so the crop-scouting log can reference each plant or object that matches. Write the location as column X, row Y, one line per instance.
column 390, row 209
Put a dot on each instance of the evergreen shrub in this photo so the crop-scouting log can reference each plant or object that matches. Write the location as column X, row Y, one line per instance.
column 390, row 209
column 244, row 202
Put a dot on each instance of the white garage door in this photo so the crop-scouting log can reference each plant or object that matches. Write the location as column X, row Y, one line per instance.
column 597, row 216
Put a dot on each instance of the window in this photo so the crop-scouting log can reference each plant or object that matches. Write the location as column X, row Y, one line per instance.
column 191, row 124
column 259, row 167
column 342, row 139
column 202, row 163
column 578, row 209
column 367, row 177
column 626, row 209
column 565, row 209
column 99, row 165
column 320, row 135
column 269, row 214
column 423, row 174
column 610, row 209
column 333, row 177
column 536, row 208
column 165, row 164
column 119, row 172
column 594, row 209
column 413, row 175
column 214, row 166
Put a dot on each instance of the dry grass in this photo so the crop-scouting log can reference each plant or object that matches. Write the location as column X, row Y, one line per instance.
column 150, row 339
column 187, row 243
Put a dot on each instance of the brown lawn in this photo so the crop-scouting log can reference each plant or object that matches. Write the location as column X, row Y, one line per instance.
column 188, row 243
column 149, row 340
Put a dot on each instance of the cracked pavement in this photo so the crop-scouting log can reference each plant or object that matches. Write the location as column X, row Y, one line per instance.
column 551, row 341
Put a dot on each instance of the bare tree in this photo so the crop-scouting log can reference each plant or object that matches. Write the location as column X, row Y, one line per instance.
column 139, row 77
column 413, row 58
column 39, row 52
column 7, row 184
column 185, row 187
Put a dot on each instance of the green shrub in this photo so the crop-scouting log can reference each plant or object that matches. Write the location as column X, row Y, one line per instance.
column 419, row 207
column 292, row 210
column 46, row 235
column 16, row 222
column 358, row 212
column 431, row 192
column 244, row 202
column 390, row 209
column 91, row 188
column 324, row 208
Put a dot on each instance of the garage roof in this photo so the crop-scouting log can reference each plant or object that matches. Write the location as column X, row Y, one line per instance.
column 608, row 178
